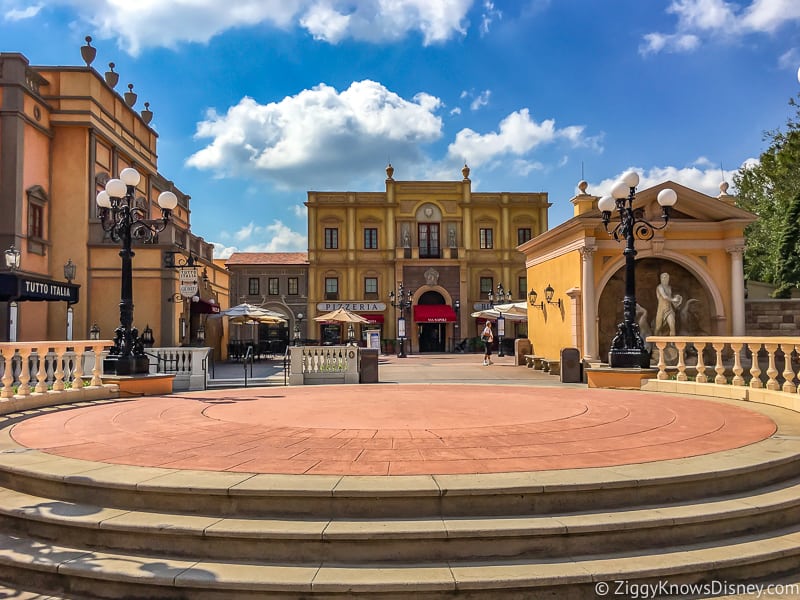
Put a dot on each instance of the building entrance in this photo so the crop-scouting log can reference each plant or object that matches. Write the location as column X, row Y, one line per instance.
column 432, row 337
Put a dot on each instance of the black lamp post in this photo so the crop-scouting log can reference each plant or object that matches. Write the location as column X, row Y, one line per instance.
column 502, row 297
column 69, row 275
column 297, row 321
column 627, row 347
column 125, row 221
column 403, row 302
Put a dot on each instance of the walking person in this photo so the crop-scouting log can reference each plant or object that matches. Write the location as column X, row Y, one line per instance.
column 488, row 337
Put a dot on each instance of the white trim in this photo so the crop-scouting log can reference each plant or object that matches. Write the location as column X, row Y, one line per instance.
column 571, row 247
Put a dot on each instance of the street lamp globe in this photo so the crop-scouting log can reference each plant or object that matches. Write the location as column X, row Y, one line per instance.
column 103, row 199
column 606, row 204
column 130, row 176
column 116, row 188
column 167, row 200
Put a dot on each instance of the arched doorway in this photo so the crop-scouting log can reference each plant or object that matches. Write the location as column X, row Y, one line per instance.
column 432, row 337
column 693, row 312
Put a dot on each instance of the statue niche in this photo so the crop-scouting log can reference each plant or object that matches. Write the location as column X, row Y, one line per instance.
column 670, row 301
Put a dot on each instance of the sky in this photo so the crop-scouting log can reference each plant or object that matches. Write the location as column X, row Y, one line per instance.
column 257, row 102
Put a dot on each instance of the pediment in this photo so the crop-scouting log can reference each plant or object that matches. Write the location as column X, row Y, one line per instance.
column 691, row 205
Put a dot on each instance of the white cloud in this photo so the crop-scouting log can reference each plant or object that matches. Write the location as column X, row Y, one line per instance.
column 517, row 136
column 155, row 23
column 300, row 210
column 489, row 15
column 719, row 18
column 385, row 20
column 275, row 237
column 481, row 100
column 790, row 59
column 20, row 14
column 319, row 136
column 656, row 42
column 703, row 177
column 455, row 111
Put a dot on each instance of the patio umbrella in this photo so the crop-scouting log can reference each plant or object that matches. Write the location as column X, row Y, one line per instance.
column 249, row 313
column 341, row 315
column 515, row 311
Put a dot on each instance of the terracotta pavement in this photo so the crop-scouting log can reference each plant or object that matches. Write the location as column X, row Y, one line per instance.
column 390, row 429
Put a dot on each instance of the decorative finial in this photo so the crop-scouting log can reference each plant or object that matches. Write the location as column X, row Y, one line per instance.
column 112, row 77
column 389, row 172
column 147, row 114
column 130, row 97
column 88, row 52
column 465, row 172
column 582, row 185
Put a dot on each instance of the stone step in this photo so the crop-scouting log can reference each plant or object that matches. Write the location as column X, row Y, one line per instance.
column 320, row 496
column 385, row 539
column 92, row 574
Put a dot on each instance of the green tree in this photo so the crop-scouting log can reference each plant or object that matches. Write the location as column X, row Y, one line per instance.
column 789, row 268
column 769, row 189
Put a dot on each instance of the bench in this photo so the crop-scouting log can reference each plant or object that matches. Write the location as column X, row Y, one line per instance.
column 534, row 362
column 553, row 367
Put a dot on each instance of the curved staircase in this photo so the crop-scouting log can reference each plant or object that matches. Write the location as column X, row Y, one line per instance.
column 76, row 529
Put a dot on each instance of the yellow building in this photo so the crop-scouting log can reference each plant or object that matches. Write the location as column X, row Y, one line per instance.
column 64, row 131
column 448, row 246
column 700, row 251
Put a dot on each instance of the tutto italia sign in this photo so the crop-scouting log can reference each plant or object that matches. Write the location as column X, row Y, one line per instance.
column 352, row 306
column 20, row 287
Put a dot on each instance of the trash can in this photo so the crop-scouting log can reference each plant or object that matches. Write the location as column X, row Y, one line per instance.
column 368, row 365
column 571, row 366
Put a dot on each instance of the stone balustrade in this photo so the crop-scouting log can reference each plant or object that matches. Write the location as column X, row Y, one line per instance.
column 323, row 364
column 188, row 364
column 43, row 373
column 759, row 369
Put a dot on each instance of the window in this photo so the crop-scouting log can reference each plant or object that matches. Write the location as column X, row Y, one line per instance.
column 371, row 239
column 36, row 221
column 487, row 284
column 428, row 240
column 523, row 288
column 331, row 288
column 370, row 287
column 252, row 286
column 331, row 238
column 273, row 286
column 486, row 238
column 523, row 235
column 294, row 286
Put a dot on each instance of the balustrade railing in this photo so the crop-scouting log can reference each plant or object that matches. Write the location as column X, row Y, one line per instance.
column 29, row 368
column 759, row 367
column 188, row 364
column 323, row 364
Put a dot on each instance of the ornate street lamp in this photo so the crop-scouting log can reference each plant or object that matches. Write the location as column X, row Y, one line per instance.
column 502, row 297
column 627, row 347
column 125, row 221
column 297, row 321
column 13, row 256
column 94, row 332
column 69, row 275
column 403, row 302
column 532, row 295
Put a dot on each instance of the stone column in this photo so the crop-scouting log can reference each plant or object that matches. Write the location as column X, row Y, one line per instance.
column 737, row 290
column 591, row 350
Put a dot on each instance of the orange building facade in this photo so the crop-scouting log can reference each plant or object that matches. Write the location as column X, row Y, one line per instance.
column 64, row 131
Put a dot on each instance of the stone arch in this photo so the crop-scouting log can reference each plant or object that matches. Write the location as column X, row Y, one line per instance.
column 686, row 278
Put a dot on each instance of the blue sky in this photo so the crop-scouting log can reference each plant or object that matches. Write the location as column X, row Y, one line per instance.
column 258, row 101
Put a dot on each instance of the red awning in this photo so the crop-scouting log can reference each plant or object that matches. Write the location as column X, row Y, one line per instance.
column 204, row 307
column 373, row 318
column 434, row 313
